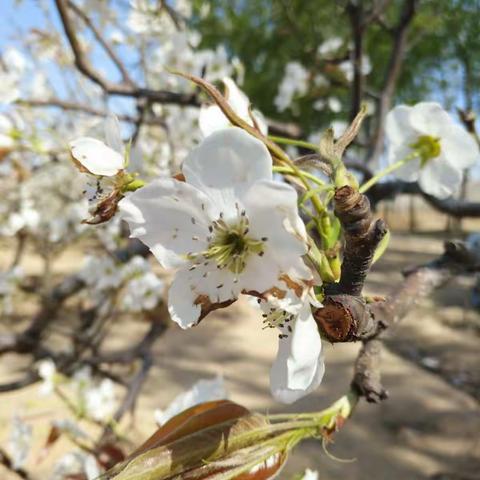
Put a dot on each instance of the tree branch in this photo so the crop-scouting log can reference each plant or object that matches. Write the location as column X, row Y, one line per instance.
column 80, row 107
column 101, row 40
column 395, row 62
column 357, row 24
column 84, row 65
column 346, row 316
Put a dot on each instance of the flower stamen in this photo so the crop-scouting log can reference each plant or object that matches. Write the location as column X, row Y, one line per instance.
column 427, row 147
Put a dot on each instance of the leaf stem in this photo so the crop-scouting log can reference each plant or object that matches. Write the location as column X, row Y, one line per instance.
column 391, row 168
column 295, row 143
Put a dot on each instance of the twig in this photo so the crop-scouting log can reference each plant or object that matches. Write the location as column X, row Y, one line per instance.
column 84, row 65
column 101, row 40
column 347, row 317
column 395, row 62
column 367, row 380
column 358, row 25
column 6, row 461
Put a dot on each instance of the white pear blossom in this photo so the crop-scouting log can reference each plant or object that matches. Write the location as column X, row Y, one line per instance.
column 143, row 293
column 99, row 158
column 105, row 164
column 346, row 67
column 74, row 464
column 310, row 475
column 11, row 76
column 211, row 117
column 100, row 400
column 299, row 366
column 68, row 426
column 97, row 399
column 47, row 371
column 332, row 45
column 293, row 84
column 9, row 281
column 441, row 148
column 334, row 104
column 19, row 442
column 229, row 227
column 101, row 273
column 202, row 391
column 7, row 142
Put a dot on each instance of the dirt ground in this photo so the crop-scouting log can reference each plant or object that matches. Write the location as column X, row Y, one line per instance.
column 429, row 428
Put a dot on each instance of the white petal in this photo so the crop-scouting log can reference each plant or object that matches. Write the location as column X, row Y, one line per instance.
column 299, row 366
column 212, row 119
column 204, row 390
column 170, row 217
column 261, row 273
column 398, row 127
column 190, row 287
column 261, row 121
column 113, row 136
column 411, row 170
column 272, row 211
column 6, row 142
column 181, row 301
column 459, row 147
column 429, row 118
column 228, row 159
column 439, row 178
column 96, row 157
column 237, row 99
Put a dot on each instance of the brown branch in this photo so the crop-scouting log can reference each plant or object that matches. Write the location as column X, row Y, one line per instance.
column 28, row 379
column 450, row 206
column 367, row 380
column 101, row 40
column 84, row 65
column 29, row 340
column 362, row 235
column 357, row 24
column 80, row 107
column 346, row 316
column 6, row 461
column 395, row 62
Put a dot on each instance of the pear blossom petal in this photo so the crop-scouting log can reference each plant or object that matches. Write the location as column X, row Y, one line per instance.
column 460, row 145
column 398, row 127
column 260, row 121
column 205, row 284
column 170, row 217
column 273, row 213
column 211, row 119
column 96, row 157
column 113, row 136
column 411, row 170
column 228, row 159
column 204, row 390
column 428, row 118
column 299, row 366
column 440, row 178
column 236, row 98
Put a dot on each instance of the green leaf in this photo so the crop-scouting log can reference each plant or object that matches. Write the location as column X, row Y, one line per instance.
column 382, row 247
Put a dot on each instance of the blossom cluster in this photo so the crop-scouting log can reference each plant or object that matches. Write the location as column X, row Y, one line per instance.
column 141, row 288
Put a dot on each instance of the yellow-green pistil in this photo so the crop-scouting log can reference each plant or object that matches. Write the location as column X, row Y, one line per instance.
column 427, row 147
column 231, row 245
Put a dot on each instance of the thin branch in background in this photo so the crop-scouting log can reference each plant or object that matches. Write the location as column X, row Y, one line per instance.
column 84, row 65
column 397, row 56
column 6, row 461
column 358, row 25
column 101, row 40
